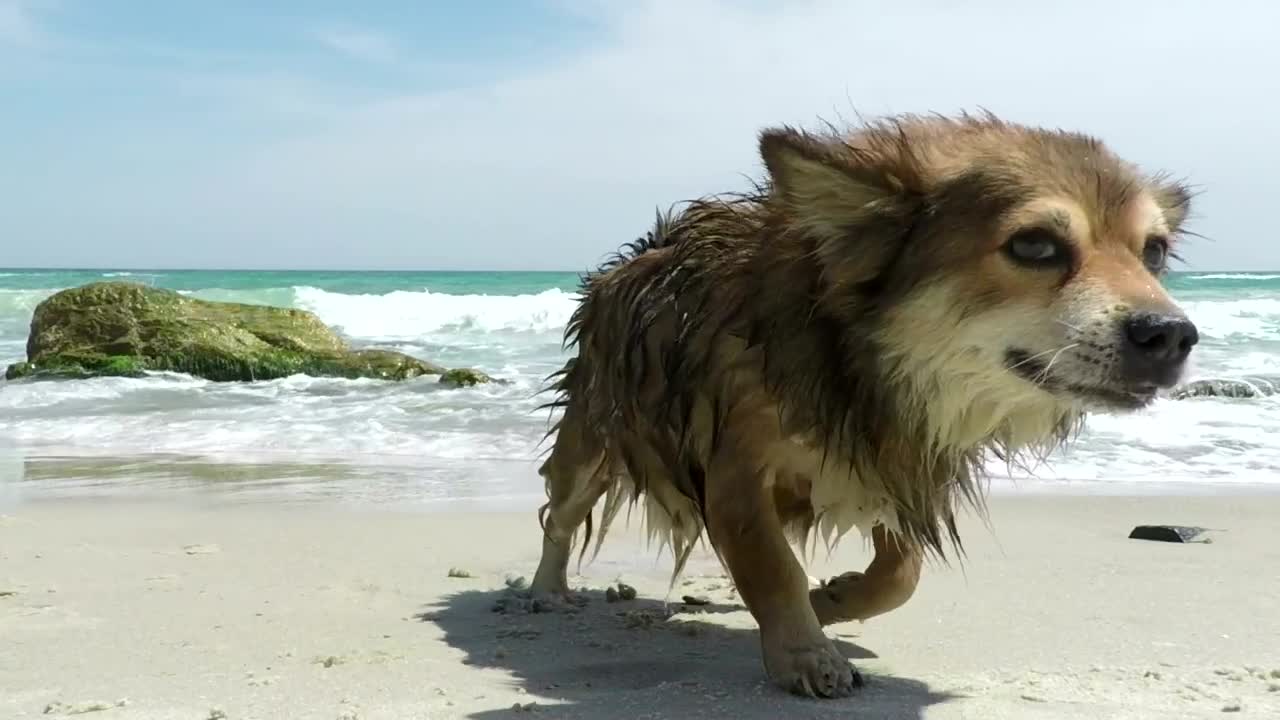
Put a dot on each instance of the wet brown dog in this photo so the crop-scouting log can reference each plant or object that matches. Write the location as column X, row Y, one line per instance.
column 845, row 346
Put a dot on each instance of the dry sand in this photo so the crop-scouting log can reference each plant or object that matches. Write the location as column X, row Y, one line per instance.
column 146, row 610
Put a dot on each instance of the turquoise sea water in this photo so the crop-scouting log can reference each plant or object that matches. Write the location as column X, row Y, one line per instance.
column 457, row 283
column 414, row 442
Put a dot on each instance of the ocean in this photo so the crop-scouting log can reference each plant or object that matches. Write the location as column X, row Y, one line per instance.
column 417, row 443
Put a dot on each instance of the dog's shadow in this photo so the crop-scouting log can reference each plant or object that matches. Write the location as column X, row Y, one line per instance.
column 639, row 659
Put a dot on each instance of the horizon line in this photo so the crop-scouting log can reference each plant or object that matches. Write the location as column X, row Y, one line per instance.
column 123, row 269
column 281, row 270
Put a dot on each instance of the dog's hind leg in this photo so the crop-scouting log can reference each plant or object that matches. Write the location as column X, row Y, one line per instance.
column 576, row 478
column 889, row 581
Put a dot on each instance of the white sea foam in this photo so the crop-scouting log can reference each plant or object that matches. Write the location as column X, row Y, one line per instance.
column 1200, row 440
column 409, row 315
column 1234, row 320
column 482, row 442
column 300, row 418
column 18, row 304
column 405, row 315
column 1244, row 277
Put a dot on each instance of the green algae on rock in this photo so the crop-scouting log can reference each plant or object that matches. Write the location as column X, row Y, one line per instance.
column 125, row 329
column 72, row 367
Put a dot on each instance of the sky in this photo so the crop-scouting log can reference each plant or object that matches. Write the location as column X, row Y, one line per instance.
column 543, row 134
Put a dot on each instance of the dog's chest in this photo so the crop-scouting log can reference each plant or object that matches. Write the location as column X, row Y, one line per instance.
column 842, row 494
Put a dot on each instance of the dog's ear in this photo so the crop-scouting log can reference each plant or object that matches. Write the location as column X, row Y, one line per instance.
column 1174, row 199
column 854, row 200
column 825, row 184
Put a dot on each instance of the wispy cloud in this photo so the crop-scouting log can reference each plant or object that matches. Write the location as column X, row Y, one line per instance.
column 357, row 43
column 19, row 26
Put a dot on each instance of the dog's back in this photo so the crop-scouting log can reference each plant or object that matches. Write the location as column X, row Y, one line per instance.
column 640, row 395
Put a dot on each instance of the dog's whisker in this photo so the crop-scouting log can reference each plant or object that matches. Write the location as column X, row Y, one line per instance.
column 1068, row 325
column 1043, row 375
column 1028, row 359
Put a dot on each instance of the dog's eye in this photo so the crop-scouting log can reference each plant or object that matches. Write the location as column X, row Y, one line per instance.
column 1155, row 254
column 1036, row 248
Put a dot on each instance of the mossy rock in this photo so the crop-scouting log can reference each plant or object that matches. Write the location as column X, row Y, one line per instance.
column 465, row 377
column 126, row 329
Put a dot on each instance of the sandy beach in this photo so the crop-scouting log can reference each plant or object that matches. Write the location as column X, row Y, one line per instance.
column 121, row 609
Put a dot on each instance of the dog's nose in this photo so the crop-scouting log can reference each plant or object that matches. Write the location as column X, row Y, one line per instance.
column 1156, row 346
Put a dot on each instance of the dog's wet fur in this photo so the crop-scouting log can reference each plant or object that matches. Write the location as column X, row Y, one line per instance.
column 847, row 345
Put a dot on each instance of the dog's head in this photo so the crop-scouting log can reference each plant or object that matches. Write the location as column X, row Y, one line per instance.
column 1000, row 264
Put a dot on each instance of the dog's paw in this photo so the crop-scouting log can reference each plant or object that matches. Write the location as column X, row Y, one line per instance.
column 848, row 578
column 830, row 600
column 814, row 670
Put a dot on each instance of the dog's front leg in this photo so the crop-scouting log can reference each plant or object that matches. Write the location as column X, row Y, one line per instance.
column 888, row 582
column 745, row 529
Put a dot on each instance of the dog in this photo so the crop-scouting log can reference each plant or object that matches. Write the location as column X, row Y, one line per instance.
column 845, row 345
